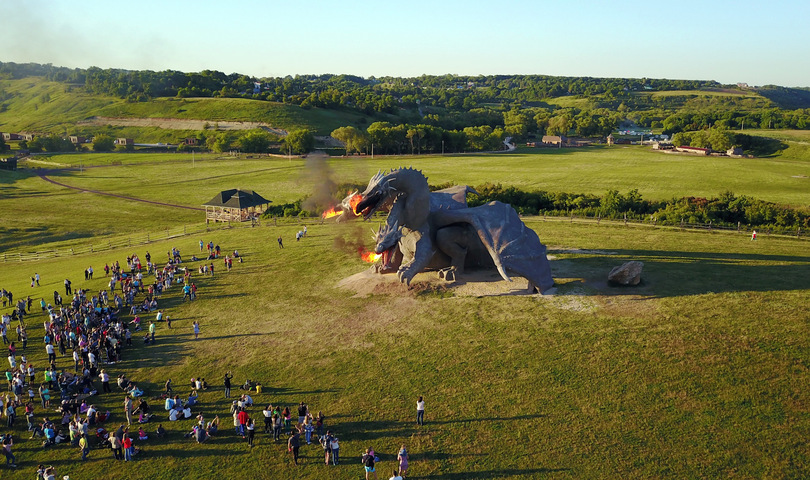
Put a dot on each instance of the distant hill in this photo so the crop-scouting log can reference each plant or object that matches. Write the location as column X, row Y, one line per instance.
column 33, row 104
column 785, row 97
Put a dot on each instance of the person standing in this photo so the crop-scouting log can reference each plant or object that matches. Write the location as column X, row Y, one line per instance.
column 302, row 413
column 326, row 442
column 67, row 287
column 420, row 411
column 293, row 444
column 84, row 446
column 335, row 451
column 152, row 330
column 128, row 409
column 280, row 245
column 251, row 431
column 228, row 378
column 402, row 457
column 105, row 381
column 8, row 442
column 36, row 277
column 196, row 326
column 754, row 235
column 368, row 463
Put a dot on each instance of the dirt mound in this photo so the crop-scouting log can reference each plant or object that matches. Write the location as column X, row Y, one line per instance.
column 472, row 284
column 181, row 124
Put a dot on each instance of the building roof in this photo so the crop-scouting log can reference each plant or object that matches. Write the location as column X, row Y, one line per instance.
column 237, row 198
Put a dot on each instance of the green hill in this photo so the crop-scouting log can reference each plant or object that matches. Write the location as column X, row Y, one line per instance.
column 36, row 105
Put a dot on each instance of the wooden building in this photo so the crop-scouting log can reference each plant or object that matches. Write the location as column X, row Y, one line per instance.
column 235, row 205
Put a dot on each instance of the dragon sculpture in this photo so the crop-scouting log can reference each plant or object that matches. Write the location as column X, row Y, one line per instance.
column 428, row 230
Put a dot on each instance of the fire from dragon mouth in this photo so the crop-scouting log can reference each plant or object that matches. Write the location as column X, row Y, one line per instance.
column 353, row 200
column 368, row 255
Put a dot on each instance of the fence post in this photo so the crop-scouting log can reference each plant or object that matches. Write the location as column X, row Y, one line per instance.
column 184, row 229
column 738, row 226
column 710, row 226
column 91, row 248
column 799, row 233
column 20, row 254
column 71, row 252
column 625, row 219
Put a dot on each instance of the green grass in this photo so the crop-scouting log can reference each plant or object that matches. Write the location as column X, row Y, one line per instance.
column 698, row 373
column 175, row 179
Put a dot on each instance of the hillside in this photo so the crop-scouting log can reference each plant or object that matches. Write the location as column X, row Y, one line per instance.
column 36, row 105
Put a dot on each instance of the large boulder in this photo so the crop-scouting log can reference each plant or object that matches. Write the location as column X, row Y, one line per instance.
column 626, row 274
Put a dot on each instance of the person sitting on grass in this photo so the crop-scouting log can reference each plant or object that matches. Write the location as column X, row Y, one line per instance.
column 213, row 426
column 142, row 434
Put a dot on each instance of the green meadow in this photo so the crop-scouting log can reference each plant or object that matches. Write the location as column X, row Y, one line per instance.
column 699, row 372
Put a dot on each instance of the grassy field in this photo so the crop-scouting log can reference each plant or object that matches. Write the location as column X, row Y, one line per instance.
column 700, row 372
column 66, row 214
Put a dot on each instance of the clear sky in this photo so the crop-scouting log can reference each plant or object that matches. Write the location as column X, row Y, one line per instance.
column 729, row 41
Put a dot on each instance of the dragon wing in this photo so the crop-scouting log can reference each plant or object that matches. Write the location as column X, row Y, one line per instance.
column 512, row 245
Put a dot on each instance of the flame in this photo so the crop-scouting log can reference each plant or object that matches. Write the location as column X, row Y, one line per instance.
column 353, row 201
column 369, row 256
column 331, row 213
column 348, row 203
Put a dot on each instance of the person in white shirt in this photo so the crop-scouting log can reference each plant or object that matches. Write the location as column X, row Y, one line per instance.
column 420, row 411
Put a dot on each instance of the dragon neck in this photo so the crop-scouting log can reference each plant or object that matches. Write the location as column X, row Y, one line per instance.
column 412, row 188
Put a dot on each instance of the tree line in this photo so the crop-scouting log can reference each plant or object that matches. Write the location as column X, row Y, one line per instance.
column 724, row 210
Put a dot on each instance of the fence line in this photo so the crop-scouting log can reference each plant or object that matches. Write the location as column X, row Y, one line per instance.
column 186, row 230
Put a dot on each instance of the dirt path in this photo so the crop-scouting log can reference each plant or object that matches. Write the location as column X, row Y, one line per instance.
column 181, row 124
column 43, row 175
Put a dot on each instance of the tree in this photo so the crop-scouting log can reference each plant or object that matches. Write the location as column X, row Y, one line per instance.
column 354, row 140
column 300, row 141
column 560, row 124
column 103, row 143
column 254, row 141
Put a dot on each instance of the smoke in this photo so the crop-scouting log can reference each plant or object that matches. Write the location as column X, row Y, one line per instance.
column 353, row 241
column 321, row 175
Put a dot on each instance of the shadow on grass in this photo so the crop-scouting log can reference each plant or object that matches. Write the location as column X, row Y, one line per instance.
column 674, row 273
column 485, row 419
column 512, row 472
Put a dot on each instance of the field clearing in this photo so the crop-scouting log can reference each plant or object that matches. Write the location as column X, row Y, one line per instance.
column 67, row 214
column 696, row 373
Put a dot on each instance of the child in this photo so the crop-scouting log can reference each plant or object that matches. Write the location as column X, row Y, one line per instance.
column 142, row 434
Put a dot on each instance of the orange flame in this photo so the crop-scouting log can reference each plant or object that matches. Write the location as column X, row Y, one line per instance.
column 353, row 201
column 331, row 213
column 369, row 256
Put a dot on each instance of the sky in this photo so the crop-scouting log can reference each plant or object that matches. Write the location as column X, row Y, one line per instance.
column 742, row 41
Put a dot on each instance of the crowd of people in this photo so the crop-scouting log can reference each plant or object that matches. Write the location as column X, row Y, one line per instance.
column 85, row 332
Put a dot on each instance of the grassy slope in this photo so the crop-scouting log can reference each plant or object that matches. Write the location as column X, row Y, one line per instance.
column 699, row 373
column 27, row 110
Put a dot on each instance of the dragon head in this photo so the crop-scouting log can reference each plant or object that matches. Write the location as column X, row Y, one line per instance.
column 379, row 195
column 387, row 245
column 387, row 237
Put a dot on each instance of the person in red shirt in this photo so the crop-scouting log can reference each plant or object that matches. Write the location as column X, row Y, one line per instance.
column 243, row 418
column 127, row 448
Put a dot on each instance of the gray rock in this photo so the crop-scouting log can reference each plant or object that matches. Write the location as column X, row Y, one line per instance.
column 626, row 274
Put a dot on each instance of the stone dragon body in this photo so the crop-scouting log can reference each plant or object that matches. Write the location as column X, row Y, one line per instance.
column 437, row 230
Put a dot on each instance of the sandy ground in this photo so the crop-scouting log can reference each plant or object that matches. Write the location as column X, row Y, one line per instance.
column 471, row 284
column 180, row 124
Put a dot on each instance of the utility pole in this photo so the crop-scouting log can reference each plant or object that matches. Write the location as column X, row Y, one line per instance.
column 442, row 147
column 372, row 151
